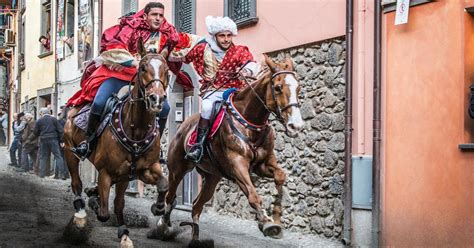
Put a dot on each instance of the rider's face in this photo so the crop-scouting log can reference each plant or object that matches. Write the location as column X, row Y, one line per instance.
column 155, row 17
column 224, row 39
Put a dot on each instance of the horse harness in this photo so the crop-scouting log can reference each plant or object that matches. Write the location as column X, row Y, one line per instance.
column 263, row 129
column 135, row 147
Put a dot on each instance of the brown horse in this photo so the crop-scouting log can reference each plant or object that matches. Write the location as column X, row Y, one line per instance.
column 242, row 145
column 128, row 148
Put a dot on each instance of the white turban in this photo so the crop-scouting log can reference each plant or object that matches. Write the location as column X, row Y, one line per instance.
column 220, row 24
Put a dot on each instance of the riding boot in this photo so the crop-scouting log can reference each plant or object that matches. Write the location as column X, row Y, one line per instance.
column 162, row 124
column 83, row 150
column 196, row 152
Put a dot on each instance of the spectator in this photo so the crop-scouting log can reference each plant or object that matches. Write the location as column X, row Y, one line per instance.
column 62, row 122
column 18, row 126
column 29, row 144
column 45, row 42
column 3, row 127
column 50, row 140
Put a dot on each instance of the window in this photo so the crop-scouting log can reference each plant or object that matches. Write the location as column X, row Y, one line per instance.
column 185, row 16
column 243, row 12
column 69, row 40
column 129, row 6
column 21, row 38
column 45, row 47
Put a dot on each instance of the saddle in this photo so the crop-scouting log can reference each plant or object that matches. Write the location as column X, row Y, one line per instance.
column 81, row 119
column 217, row 117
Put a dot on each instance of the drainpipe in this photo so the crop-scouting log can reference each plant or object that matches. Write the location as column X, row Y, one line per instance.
column 347, row 223
column 377, row 125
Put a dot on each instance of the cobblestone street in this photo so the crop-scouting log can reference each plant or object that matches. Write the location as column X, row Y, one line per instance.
column 34, row 212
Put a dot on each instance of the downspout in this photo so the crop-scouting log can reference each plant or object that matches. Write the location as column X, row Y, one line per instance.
column 377, row 125
column 347, row 223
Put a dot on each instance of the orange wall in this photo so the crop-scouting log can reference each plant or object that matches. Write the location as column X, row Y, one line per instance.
column 428, row 191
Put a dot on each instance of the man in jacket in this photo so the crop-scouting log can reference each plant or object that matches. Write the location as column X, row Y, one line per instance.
column 50, row 134
column 18, row 126
column 29, row 143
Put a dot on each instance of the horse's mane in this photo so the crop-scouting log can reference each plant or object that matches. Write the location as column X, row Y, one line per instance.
column 261, row 75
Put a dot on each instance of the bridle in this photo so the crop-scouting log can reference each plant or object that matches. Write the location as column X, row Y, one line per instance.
column 142, row 96
column 279, row 110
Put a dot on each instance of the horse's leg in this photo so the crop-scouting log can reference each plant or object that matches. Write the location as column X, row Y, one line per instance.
column 76, row 185
column 271, row 169
column 119, row 203
column 104, row 184
column 242, row 178
column 209, row 184
column 154, row 175
column 176, row 174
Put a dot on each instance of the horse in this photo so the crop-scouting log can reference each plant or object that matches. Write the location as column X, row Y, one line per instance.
column 242, row 145
column 128, row 148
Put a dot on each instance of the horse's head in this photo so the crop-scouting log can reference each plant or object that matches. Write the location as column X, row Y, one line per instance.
column 152, row 77
column 282, row 98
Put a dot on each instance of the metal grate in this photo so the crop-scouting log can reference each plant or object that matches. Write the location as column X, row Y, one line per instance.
column 243, row 12
column 129, row 6
column 184, row 15
column 239, row 9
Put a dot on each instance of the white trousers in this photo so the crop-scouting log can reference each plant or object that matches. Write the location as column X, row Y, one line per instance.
column 207, row 102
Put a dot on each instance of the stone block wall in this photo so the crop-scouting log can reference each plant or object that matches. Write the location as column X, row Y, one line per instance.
column 313, row 161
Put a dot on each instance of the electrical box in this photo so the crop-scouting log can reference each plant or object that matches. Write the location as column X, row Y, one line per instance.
column 178, row 113
column 362, row 182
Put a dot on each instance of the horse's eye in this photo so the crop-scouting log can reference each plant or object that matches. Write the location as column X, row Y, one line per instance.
column 278, row 88
column 142, row 68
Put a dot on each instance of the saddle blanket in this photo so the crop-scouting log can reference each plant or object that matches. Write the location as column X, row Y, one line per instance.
column 82, row 119
column 215, row 126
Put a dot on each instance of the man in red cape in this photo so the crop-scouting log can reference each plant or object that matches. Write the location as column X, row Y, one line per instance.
column 116, row 65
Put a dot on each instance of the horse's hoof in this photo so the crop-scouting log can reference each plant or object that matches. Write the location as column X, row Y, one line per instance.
column 162, row 232
column 272, row 230
column 158, row 210
column 93, row 204
column 77, row 231
column 206, row 243
column 103, row 218
column 126, row 242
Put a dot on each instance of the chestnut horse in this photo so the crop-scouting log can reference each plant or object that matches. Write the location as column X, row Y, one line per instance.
column 242, row 145
column 128, row 148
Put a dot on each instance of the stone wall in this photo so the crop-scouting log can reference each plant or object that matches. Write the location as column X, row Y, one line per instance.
column 313, row 161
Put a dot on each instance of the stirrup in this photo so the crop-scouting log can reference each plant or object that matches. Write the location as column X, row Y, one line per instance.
column 194, row 149
column 82, row 152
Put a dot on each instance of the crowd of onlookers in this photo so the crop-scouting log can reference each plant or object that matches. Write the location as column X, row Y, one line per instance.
column 34, row 141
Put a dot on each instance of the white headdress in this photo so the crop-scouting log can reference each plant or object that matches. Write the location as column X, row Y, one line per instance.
column 220, row 24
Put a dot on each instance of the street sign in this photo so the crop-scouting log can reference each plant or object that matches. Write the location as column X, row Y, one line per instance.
column 401, row 16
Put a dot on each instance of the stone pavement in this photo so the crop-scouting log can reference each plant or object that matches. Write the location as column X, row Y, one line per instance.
column 34, row 212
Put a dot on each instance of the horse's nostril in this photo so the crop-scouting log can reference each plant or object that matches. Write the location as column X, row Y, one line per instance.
column 291, row 126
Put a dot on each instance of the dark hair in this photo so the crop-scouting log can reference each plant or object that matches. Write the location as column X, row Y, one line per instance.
column 21, row 115
column 151, row 5
column 42, row 37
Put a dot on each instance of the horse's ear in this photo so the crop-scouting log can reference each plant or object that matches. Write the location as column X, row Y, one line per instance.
column 289, row 63
column 270, row 63
column 141, row 47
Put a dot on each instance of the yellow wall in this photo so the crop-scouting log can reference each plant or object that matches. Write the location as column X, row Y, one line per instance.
column 39, row 72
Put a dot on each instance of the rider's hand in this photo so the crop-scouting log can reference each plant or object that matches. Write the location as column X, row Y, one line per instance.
column 116, row 67
column 135, row 63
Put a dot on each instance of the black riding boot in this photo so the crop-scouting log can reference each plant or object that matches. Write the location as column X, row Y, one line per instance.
column 196, row 151
column 83, row 150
